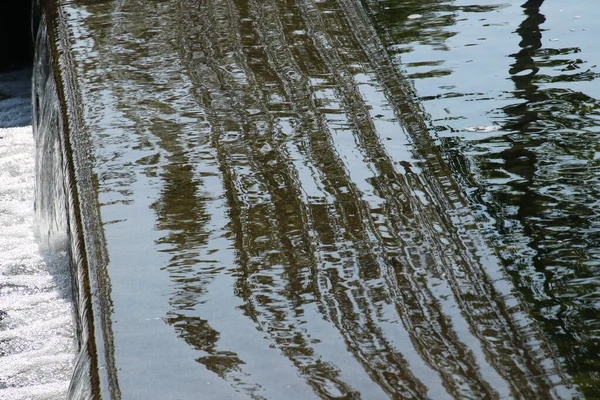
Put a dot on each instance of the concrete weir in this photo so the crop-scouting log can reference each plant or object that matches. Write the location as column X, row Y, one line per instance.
column 64, row 194
column 256, row 209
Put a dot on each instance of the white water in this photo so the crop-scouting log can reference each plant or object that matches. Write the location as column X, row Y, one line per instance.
column 37, row 334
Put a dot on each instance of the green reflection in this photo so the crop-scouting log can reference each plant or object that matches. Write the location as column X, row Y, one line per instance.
column 539, row 181
column 550, row 155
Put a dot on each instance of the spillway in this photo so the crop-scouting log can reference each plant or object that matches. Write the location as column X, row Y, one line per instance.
column 37, row 334
column 256, row 207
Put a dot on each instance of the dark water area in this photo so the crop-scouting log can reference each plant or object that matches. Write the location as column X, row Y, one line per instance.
column 16, row 44
column 331, row 199
column 528, row 75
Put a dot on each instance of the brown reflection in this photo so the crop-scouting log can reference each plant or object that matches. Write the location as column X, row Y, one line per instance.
column 268, row 218
column 468, row 287
column 354, row 254
column 157, row 123
column 359, row 221
column 282, row 244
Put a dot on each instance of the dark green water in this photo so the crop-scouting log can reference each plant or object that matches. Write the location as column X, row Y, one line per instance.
column 341, row 199
column 530, row 70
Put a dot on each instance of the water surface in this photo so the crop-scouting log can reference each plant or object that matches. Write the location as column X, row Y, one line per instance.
column 288, row 212
column 512, row 91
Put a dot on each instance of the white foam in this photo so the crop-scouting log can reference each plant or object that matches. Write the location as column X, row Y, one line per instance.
column 37, row 334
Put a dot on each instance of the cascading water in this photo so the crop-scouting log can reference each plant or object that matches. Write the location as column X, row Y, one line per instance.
column 64, row 199
column 45, row 353
column 37, row 335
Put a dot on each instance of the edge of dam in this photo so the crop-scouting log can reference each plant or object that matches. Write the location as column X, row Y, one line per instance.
column 64, row 144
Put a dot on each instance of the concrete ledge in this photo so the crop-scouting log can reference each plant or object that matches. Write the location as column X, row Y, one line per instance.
column 63, row 179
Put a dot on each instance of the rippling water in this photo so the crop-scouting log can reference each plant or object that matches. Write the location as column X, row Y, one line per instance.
column 528, row 72
column 300, row 200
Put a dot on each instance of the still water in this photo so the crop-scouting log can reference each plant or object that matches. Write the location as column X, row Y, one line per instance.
column 339, row 198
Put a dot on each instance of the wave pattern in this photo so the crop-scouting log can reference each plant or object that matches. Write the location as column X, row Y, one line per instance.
column 295, row 224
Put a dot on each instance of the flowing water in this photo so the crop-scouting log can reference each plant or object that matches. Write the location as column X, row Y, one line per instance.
column 326, row 198
column 37, row 336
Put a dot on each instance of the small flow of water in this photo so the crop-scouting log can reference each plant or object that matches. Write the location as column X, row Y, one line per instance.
column 37, row 335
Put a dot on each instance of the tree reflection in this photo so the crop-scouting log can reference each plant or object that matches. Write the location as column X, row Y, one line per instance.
column 330, row 219
column 542, row 123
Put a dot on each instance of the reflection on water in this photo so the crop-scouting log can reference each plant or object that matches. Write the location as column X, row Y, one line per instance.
column 281, row 223
column 536, row 176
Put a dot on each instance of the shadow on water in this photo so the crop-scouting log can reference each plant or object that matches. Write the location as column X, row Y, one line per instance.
column 278, row 220
column 16, row 45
